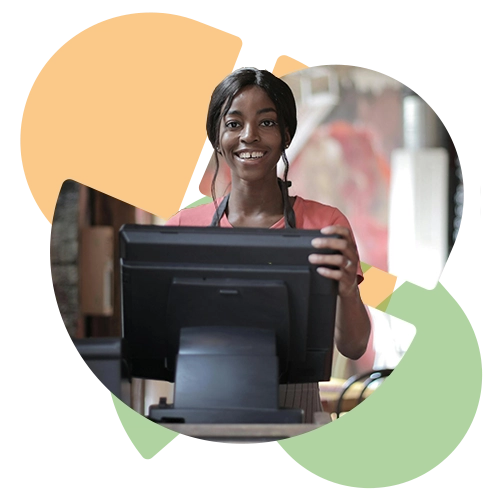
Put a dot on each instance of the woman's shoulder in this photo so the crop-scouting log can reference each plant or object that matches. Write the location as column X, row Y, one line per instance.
column 312, row 214
column 200, row 215
column 313, row 205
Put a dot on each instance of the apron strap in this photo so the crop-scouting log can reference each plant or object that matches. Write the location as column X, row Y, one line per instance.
column 220, row 211
column 288, row 212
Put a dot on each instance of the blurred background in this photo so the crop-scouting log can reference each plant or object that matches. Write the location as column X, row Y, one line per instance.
column 365, row 144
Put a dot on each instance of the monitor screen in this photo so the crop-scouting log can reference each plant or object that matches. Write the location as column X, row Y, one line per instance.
column 179, row 277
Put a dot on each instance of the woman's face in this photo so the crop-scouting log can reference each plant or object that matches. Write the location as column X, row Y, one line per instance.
column 250, row 138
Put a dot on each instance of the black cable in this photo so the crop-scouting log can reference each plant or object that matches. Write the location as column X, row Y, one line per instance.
column 375, row 376
column 356, row 378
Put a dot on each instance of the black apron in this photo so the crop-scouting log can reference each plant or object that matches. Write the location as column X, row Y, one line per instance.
column 305, row 396
column 288, row 212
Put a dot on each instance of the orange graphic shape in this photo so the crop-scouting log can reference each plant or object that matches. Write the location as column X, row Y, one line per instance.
column 285, row 65
column 121, row 108
column 376, row 287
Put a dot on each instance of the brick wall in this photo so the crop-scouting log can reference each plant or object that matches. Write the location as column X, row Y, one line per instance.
column 64, row 254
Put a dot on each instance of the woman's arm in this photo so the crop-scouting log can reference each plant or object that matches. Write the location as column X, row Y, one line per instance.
column 352, row 328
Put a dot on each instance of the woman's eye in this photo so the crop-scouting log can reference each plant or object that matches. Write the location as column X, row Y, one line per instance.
column 232, row 124
column 269, row 123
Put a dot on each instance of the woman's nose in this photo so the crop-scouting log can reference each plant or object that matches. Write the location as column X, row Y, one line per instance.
column 250, row 133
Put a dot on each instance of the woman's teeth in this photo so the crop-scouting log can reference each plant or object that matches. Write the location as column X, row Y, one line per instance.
column 254, row 154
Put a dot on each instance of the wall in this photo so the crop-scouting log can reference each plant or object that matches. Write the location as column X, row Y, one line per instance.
column 64, row 254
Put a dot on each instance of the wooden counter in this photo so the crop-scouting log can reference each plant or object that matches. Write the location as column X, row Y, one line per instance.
column 248, row 433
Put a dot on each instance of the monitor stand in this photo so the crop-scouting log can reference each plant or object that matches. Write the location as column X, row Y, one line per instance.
column 226, row 375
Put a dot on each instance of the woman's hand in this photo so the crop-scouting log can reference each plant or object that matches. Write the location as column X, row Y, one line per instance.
column 352, row 328
column 346, row 261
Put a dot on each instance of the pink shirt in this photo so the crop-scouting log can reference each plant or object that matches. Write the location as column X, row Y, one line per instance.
column 308, row 215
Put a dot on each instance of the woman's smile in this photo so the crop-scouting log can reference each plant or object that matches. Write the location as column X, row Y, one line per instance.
column 251, row 158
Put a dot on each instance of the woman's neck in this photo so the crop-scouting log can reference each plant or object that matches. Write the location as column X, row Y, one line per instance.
column 255, row 204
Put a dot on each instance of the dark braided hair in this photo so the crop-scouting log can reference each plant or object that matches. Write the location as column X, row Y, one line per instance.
column 277, row 90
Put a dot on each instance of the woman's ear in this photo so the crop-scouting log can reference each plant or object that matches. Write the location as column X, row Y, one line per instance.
column 287, row 138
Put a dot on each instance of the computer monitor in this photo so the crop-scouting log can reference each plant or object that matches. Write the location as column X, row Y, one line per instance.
column 227, row 314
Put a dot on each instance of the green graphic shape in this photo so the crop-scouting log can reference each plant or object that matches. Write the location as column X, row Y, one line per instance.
column 201, row 201
column 384, row 304
column 149, row 438
column 364, row 266
column 418, row 416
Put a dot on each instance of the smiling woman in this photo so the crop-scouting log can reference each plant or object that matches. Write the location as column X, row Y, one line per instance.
column 251, row 144
column 251, row 122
